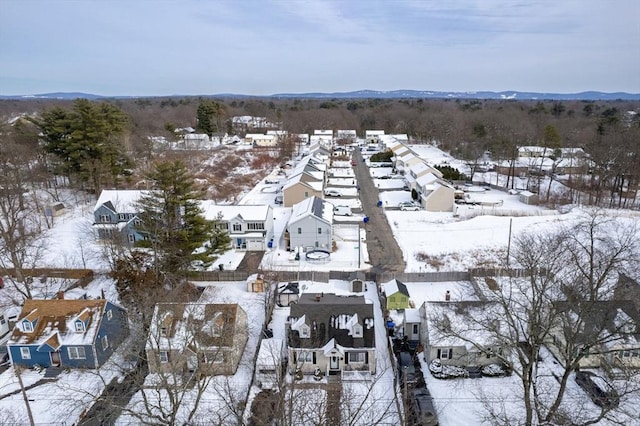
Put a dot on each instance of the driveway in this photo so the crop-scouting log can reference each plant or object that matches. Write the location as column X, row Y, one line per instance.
column 384, row 253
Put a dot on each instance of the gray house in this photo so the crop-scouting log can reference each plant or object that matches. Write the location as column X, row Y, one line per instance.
column 310, row 224
column 115, row 215
column 333, row 333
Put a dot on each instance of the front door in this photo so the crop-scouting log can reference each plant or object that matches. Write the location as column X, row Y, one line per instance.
column 55, row 359
column 334, row 363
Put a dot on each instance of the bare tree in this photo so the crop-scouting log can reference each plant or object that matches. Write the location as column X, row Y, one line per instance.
column 21, row 222
column 560, row 303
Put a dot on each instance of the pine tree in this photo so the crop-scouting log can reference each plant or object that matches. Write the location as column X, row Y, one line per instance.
column 179, row 235
column 87, row 142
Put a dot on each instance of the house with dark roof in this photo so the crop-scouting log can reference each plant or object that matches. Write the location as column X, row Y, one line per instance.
column 67, row 333
column 332, row 333
column 203, row 338
column 606, row 331
column 396, row 295
column 310, row 225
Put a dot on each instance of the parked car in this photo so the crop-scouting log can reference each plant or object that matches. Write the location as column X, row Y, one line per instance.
column 421, row 409
column 342, row 211
column 409, row 370
column 332, row 193
column 409, row 206
column 600, row 392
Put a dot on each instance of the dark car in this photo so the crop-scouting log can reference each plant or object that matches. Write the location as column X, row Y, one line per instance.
column 421, row 410
column 409, row 370
column 600, row 392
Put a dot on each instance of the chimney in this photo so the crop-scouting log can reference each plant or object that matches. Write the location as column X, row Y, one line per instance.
column 447, row 296
column 60, row 295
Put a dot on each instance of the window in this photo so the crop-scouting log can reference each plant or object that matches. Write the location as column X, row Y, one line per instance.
column 131, row 238
column 25, row 353
column 392, row 299
column 415, row 329
column 164, row 357
column 237, row 227
column 255, row 226
column 2, row 320
column 109, row 315
column 163, row 331
column 105, row 218
column 137, row 222
column 319, row 230
column 27, row 327
column 306, row 194
column 79, row 327
column 306, row 356
column 122, row 216
column 105, row 342
column 299, row 231
column 76, row 352
column 356, row 356
column 445, row 353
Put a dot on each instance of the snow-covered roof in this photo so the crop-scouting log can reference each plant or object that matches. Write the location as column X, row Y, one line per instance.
column 181, row 325
column 412, row 315
column 297, row 324
column 120, row 200
column 248, row 213
column 426, row 179
column 457, row 315
column 270, row 352
column 53, row 322
column 312, row 206
column 315, row 184
column 331, row 345
column 394, row 286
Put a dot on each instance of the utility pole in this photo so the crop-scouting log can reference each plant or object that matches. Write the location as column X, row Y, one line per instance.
column 509, row 243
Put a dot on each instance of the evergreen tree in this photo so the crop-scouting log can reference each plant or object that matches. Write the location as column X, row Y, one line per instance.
column 210, row 115
column 179, row 235
column 87, row 141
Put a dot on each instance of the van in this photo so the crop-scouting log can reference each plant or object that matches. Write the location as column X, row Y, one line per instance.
column 342, row 211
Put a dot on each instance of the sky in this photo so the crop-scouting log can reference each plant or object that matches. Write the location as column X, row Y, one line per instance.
column 263, row 47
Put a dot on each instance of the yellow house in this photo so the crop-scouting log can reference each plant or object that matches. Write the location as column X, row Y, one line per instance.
column 396, row 294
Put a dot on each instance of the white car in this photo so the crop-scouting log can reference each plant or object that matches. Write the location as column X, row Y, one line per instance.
column 409, row 206
column 332, row 193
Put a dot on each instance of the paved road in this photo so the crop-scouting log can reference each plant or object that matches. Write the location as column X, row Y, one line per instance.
column 384, row 253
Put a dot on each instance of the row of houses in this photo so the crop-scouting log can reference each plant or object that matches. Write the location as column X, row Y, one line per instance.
column 326, row 333
column 468, row 344
column 250, row 227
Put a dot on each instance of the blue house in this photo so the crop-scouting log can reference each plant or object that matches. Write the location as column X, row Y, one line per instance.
column 115, row 215
column 67, row 333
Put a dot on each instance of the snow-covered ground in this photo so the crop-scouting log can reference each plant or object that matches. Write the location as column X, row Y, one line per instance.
column 452, row 241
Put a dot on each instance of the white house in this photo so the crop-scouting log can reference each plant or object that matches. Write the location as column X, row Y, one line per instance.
column 310, row 224
column 249, row 226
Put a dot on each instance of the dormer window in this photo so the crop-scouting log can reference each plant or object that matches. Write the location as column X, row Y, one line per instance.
column 305, row 331
column 80, row 328
column 27, row 327
column 357, row 330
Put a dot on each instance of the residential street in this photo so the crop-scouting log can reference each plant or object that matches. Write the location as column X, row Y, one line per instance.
column 384, row 253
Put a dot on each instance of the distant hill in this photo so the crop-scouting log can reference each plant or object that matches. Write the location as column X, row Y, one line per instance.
column 367, row 94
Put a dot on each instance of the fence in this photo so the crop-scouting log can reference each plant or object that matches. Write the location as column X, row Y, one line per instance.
column 84, row 276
